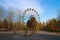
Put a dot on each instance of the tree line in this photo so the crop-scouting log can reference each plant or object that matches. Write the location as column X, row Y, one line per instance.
column 8, row 22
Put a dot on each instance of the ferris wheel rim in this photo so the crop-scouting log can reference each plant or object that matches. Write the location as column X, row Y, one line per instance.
column 30, row 9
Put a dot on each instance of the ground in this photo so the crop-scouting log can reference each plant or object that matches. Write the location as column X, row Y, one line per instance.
column 37, row 36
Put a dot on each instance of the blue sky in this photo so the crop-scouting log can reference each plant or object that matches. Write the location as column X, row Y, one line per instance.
column 47, row 9
column 50, row 9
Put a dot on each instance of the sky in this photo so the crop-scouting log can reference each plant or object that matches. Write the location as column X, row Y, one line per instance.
column 46, row 9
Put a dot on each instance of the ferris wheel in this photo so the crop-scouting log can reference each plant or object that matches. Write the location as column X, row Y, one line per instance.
column 28, row 12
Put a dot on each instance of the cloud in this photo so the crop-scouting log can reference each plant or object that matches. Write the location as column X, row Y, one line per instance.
column 23, row 5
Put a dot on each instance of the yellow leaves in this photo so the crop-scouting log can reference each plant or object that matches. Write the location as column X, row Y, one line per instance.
column 38, row 27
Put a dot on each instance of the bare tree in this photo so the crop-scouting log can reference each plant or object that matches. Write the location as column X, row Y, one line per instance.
column 1, row 12
column 10, row 16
